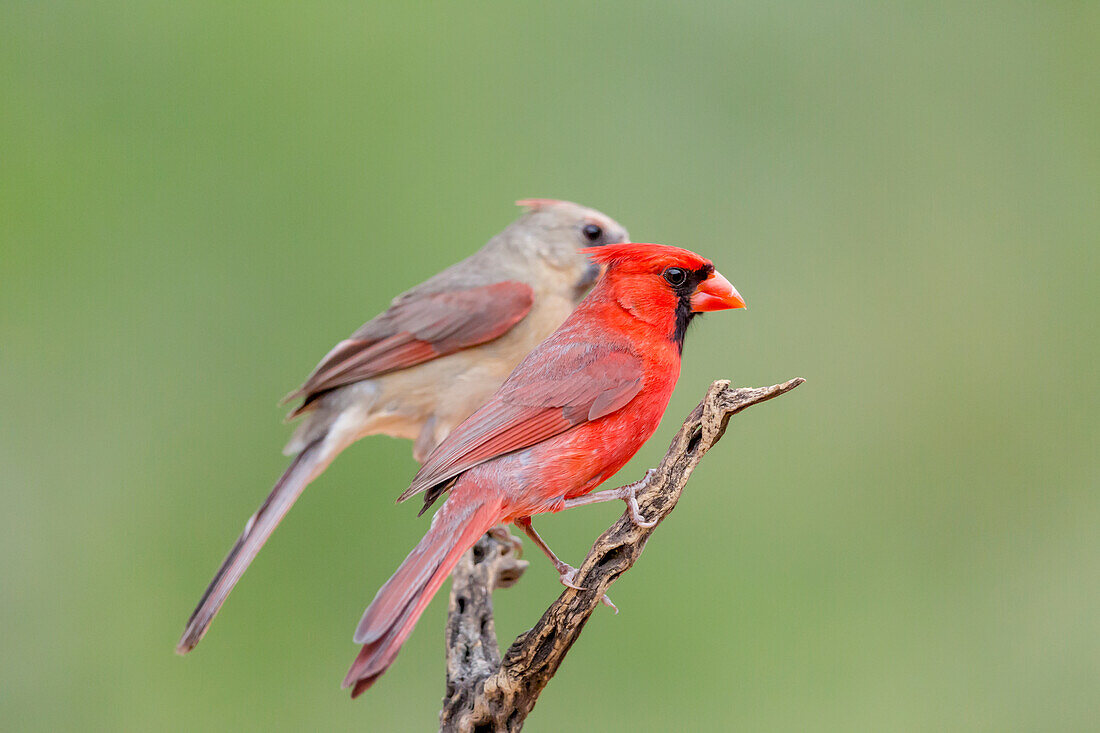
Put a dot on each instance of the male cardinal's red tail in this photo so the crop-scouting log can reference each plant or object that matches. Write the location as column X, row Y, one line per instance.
column 390, row 618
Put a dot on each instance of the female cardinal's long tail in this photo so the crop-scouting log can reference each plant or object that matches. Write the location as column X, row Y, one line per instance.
column 390, row 618
column 311, row 461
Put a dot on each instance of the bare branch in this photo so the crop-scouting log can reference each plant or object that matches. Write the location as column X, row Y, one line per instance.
column 487, row 694
column 472, row 651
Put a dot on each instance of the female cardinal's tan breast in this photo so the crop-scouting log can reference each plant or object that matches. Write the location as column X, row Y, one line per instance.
column 426, row 402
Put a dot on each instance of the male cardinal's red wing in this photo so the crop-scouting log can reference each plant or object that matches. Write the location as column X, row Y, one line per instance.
column 417, row 329
column 557, row 387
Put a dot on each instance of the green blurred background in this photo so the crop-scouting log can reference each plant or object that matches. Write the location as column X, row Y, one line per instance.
column 198, row 199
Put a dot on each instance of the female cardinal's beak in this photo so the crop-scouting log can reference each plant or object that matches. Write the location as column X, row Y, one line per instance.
column 716, row 294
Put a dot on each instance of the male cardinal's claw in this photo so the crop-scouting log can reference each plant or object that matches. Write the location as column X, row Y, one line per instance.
column 631, row 498
column 568, row 573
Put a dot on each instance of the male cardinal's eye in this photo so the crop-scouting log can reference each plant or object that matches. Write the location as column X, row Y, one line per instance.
column 592, row 232
column 676, row 276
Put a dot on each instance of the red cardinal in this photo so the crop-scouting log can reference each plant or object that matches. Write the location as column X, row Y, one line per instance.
column 573, row 412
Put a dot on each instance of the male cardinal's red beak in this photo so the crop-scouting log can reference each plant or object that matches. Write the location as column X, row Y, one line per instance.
column 716, row 294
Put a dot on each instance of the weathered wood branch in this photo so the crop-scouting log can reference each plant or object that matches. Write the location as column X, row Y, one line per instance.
column 486, row 693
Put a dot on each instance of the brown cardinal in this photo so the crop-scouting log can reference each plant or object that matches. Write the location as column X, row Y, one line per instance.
column 421, row 367
column 574, row 411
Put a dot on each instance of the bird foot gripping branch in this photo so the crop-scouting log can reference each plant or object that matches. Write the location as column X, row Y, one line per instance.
column 566, row 572
column 569, row 574
column 628, row 493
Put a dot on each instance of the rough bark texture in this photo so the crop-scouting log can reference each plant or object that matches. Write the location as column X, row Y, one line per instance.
column 486, row 693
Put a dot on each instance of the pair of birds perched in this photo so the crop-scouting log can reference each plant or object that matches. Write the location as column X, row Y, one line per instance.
column 522, row 395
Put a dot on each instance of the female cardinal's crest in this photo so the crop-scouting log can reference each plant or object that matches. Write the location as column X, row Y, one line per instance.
column 536, row 204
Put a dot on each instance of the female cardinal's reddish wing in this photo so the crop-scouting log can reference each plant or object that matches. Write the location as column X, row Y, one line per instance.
column 416, row 330
column 557, row 387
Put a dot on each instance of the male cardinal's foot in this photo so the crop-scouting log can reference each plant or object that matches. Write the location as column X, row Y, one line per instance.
column 567, row 574
column 630, row 496
column 626, row 493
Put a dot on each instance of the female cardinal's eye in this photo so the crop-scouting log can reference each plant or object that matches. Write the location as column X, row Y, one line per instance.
column 676, row 276
column 592, row 232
